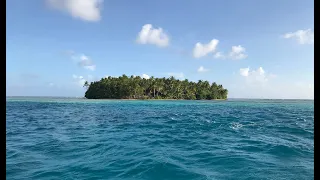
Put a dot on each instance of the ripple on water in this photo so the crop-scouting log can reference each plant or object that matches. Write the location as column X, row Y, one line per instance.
column 87, row 139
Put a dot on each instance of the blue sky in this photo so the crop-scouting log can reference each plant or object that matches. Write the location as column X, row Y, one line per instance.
column 255, row 49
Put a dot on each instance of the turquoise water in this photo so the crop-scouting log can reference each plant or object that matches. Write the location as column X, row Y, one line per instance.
column 65, row 138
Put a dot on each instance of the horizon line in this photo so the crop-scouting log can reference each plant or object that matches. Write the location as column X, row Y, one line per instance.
column 227, row 98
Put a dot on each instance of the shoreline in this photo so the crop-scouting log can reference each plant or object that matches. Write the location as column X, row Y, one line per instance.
column 161, row 99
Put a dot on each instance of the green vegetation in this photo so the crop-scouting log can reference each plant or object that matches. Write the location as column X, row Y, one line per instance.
column 135, row 87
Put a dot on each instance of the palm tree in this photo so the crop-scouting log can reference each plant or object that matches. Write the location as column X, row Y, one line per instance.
column 86, row 84
column 165, row 88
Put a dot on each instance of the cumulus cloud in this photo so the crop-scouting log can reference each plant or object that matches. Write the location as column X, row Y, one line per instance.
column 150, row 35
column 238, row 52
column 87, row 10
column 302, row 36
column 201, row 50
column 256, row 76
column 202, row 69
column 145, row 76
column 244, row 71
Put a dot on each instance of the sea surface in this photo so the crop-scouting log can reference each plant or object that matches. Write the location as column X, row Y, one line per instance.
column 68, row 138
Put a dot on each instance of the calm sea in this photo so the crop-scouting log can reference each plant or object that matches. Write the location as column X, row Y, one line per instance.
column 66, row 138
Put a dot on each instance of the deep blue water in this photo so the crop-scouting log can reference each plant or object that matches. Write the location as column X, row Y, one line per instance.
column 56, row 138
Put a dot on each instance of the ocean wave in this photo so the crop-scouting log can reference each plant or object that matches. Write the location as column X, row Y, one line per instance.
column 159, row 140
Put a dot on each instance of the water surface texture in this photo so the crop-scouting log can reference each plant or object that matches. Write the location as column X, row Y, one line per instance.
column 65, row 138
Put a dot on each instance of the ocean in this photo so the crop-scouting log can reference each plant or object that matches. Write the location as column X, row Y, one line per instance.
column 68, row 138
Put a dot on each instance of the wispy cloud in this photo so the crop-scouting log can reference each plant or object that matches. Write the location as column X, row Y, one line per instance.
column 302, row 36
column 219, row 55
column 82, row 60
column 87, row 10
column 86, row 63
column 155, row 36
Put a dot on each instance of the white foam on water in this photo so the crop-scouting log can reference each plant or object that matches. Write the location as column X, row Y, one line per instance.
column 236, row 126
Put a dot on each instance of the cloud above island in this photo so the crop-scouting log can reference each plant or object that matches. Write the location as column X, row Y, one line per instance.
column 153, row 36
column 87, row 10
column 201, row 69
column 202, row 50
column 145, row 76
column 82, row 60
column 86, row 62
column 80, row 80
column 238, row 52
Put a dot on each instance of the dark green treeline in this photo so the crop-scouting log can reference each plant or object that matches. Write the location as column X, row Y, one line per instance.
column 135, row 87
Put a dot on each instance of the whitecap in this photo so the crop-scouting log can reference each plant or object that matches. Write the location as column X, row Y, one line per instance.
column 236, row 126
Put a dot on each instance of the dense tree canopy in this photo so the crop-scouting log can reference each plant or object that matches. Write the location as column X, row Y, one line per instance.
column 135, row 87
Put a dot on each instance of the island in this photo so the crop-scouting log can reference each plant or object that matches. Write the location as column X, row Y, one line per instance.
column 136, row 87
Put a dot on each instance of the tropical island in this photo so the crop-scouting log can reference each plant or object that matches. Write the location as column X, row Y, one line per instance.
column 135, row 87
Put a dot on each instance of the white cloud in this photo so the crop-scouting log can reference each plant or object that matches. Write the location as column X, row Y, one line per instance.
column 244, row 71
column 80, row 80
column 201, row 50
column 302, row 36
column 238, row 52
column 145, row 76
column 150, row 35
column 176, row 75
column 219, row 55
column 259, row 83
column 272, row 75
column 86, row 63
column 83, row 61
column 202, row 69
column 92, row 68
column 256, row 76
column 88, row 10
